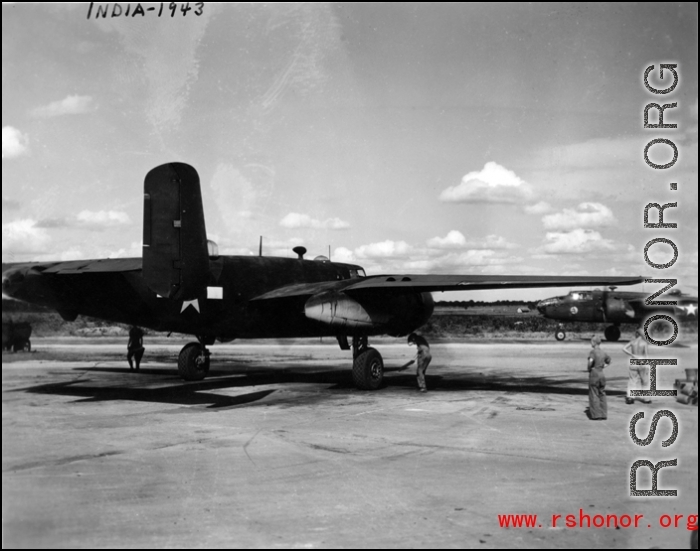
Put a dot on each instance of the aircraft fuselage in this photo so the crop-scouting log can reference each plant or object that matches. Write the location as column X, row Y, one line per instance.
column 225, row 309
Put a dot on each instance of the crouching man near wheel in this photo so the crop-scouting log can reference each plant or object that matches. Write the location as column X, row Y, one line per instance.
column 423, row 358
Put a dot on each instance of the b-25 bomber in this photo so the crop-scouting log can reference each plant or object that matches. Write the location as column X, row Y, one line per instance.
column 181, row 284
column 614, row 307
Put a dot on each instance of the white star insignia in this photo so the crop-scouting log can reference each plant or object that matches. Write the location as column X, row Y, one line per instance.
column 187, row 303
column 690, row 309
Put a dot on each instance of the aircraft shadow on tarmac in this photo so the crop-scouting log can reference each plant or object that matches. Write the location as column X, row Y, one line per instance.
column 203, row 393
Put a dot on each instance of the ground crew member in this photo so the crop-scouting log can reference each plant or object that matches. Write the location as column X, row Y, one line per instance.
column 638, row 374
column 423, row 358
column 597, row 401
column 135, row 349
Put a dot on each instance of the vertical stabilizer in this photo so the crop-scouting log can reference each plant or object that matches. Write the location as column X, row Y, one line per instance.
column 175, row 257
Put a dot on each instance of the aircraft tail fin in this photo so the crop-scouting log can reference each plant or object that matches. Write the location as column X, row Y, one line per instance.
column 175, row 256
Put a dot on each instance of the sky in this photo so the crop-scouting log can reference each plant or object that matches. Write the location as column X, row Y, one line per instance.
column 408, row 138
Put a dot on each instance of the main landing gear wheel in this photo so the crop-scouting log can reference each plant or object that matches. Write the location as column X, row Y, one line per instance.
column 368, row 370
column 193, row 362
column 612, row 333
column 560, row 334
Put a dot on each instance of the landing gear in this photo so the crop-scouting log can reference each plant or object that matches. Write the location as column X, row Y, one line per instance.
column 367, row 365
column 612, row 333
column 193, row 362
column 560, row 334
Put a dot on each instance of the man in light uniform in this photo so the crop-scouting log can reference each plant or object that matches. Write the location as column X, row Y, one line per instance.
column 638, row 374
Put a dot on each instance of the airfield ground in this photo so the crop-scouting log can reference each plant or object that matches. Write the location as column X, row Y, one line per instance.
column 277, row 449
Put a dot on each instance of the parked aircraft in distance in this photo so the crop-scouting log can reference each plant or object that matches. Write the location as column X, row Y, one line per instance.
column 182, row 284
column 614, row 307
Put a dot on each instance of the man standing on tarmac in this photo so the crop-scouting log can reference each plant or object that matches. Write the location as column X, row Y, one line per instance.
column 423, row 358
column 597, row 401
column 638, row 374
column 135, row 347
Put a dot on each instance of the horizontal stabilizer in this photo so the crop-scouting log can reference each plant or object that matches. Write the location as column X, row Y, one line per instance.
column 106, row 265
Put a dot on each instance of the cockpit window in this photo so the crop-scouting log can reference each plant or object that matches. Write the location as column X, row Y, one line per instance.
column 357, row 273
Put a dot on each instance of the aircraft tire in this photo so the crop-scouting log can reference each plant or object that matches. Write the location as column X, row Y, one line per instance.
column 612, row 333
column 189, row 363
column 560, row 334
column 368, row 370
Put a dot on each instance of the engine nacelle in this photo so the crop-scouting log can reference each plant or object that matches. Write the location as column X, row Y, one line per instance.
column 370, row 313
column 618, row 310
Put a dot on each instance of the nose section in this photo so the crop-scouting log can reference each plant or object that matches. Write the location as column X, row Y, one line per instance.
column 12, row 281
column 548, row 306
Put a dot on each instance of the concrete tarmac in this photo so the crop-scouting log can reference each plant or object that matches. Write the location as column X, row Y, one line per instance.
column 278, row 449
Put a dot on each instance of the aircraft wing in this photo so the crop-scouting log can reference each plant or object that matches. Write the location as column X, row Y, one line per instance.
column 424, row 283
column 433, row 283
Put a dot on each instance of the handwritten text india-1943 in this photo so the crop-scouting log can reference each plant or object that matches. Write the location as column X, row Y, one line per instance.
column 160, row 9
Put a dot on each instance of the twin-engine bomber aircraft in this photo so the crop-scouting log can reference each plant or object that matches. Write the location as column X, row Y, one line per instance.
column 182, row 285
column 614, row 307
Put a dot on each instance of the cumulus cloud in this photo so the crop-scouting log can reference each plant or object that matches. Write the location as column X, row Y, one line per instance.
column 103, row 218
column 492, row 184
column 70, row 105
column 343, row 254
column 494, row 242
column 24, row 237
column 576, row 241
column 484, row 261
column 295, row 220
column 463, row 261
column 453, row 240
column 456, row 240
column 586, row 215
column 538, row 208
column 72, row 253
column 14, row 143
column 134, row 250
column 384, row 249
column 400, row 257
